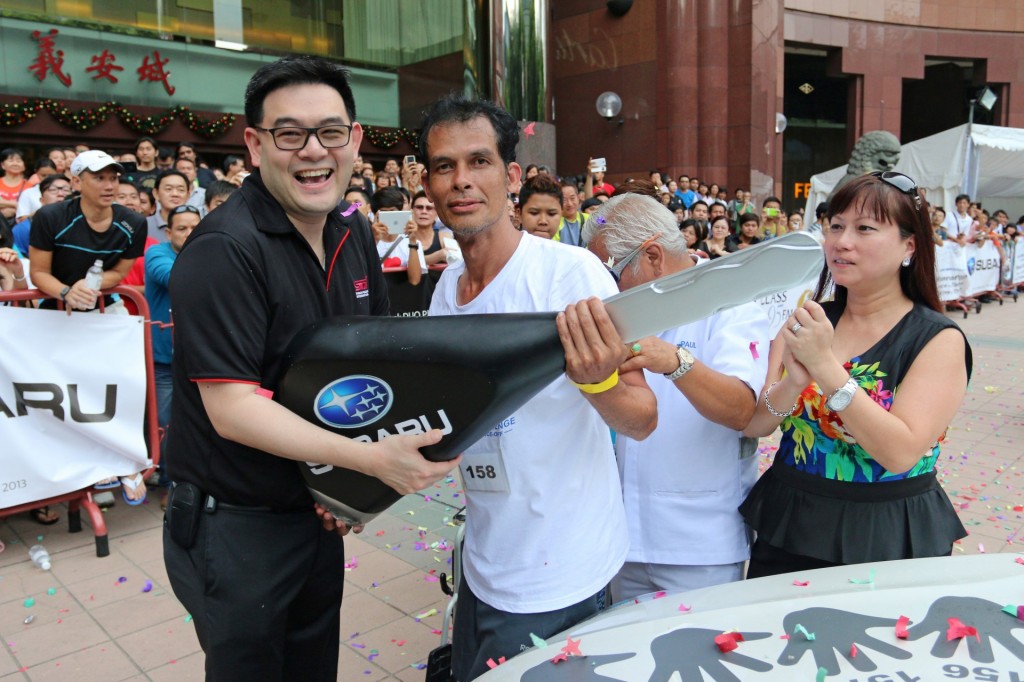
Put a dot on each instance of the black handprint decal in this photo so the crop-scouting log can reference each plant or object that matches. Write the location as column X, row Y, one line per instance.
column 689, row 650
column 982, row 614
column 836, row 630
column 574, row 669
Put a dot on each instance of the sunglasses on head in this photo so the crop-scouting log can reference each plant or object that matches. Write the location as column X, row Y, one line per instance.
column 901, row 182
column 185, row 208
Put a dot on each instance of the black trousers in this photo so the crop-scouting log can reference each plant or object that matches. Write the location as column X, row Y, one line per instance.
column 264, row 591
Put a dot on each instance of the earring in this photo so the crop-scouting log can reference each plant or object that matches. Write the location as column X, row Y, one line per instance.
column 906, row 262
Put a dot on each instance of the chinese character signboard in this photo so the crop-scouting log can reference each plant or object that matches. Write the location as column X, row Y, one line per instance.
column 49, row 61
column 40, row 60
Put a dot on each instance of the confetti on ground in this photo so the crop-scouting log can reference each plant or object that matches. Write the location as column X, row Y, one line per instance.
column 52, row 591
column 427, row 614
column 29, row 619
column 30, row 602
column 492, row 665
column 801, row 583
column 188, row 617
column 684, row 608
column 122, row 579
column 147, row 586
column 853, row 651
column 537, row 641
column 822, row 674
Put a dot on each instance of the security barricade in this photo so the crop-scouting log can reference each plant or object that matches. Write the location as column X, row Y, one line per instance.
column 38, row 377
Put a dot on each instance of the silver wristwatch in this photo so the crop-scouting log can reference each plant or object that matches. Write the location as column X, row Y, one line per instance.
column 686, row 361
column 842, row 396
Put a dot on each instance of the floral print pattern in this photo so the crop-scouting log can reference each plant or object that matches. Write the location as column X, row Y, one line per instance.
column 815, row 441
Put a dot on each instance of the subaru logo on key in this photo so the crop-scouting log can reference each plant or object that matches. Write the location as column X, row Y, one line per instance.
column 353, row 401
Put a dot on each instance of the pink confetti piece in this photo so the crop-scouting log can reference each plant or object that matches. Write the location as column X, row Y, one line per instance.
column 684, row 608
column 571, row 648
column 753, row 350
column 958, row 629
column 801, row 583
column 659, row 594
column 353, row 207
column 853, row 651
column 492, row 665
column 901, row 627
column 981, row 548
column 1019, row 560
column 728, row 641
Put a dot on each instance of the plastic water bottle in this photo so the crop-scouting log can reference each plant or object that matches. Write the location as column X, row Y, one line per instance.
column 94, row 278
column 40, row 557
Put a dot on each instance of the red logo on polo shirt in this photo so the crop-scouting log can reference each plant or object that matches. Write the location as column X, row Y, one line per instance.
column 362, row 287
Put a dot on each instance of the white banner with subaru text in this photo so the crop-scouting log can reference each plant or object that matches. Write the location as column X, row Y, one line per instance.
column 1018, row 261
column 983, row 267
column 951, row 271
column 779, row 306
column 72, row 400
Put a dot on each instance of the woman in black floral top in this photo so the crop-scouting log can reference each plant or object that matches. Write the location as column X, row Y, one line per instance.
column 863, row 388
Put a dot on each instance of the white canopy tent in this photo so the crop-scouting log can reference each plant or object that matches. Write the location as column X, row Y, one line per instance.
column 987, row 163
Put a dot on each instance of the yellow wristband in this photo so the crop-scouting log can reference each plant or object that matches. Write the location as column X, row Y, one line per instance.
column 605, row 385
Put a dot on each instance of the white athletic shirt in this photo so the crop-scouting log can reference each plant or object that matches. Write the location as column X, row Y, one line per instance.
column 682, row 484
column 558, row 535
column 956, row 224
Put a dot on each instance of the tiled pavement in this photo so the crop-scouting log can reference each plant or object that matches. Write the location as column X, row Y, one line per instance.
column 93, row 621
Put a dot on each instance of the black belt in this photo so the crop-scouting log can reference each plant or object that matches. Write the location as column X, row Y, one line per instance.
column 211, row 505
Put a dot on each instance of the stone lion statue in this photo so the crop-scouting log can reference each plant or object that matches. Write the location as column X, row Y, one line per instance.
column 878, row 150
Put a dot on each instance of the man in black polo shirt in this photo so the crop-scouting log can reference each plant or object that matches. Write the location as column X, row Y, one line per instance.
column 260, row 577
column 68, row 237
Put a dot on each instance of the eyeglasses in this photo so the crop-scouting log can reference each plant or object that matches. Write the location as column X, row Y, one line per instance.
column 617, row 268
column 293, row 138
column 58, row 189
column 184, row 208
column 903, row 183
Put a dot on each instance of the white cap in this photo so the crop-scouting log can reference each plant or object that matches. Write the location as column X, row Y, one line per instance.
column 45, row 565
column 94, row 160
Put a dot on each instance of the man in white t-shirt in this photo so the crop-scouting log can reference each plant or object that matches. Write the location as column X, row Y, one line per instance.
column 959, row 222
column 682, row 486
column 545, row 529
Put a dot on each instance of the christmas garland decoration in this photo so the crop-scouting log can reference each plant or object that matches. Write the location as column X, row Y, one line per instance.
column 16, row 114
column 386, row 138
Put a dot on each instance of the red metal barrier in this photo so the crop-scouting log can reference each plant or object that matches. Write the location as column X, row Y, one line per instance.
column 82, row 498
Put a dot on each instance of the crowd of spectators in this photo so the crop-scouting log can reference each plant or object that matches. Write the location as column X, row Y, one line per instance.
column 82, row 205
